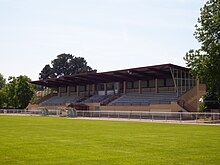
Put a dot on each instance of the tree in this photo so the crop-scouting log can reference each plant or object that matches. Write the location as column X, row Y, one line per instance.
column 46, row 73
column 205, row 62
column 211, row 101
column 65, row 64
column 17, row 93
column 10, row 94
column 24, row 91
column 2, row 98
column 62, row 64
column 2, row 81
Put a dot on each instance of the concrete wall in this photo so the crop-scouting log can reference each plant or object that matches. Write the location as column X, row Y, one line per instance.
column 173, row 107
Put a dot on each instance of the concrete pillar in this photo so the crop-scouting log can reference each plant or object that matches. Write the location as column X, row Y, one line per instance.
column 156, row 85
column 88, row 89
column 124, row 87
column 93, row 89
column 68, row 90
column 51, row 91
column 177, row 82
column 59, row 91
column 139, row 87
column 118, row 87
column 105, row 88
column 181, row 83
column 77, row 90
column 46, row 91
column 115, row 87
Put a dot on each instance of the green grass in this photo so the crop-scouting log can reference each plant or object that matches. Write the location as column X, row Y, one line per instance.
column 48, row 140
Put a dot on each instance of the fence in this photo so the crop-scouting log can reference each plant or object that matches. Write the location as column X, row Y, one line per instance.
column 194, row 117
column 12, row 110
column 39, row 112
column 153, row 116
column 20, row 111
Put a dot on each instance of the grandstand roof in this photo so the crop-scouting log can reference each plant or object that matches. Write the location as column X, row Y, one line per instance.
column 132, row 74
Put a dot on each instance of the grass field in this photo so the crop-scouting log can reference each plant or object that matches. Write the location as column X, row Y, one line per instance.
column 48, row 140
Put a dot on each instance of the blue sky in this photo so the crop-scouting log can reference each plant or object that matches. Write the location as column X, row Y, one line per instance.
column 109, row 34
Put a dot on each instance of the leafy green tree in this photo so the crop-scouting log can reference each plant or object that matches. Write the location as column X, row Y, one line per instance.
column 61, row 65
column 17, row 93
column 2, row 95
column 47, row 72
column 24, row 91
column 8, row 93
column 2, row 98
column 205, row 62
column 65, row 64
column 2, row 81
column 211, row 101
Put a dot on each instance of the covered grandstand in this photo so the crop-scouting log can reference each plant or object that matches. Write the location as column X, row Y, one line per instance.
column 166, row 88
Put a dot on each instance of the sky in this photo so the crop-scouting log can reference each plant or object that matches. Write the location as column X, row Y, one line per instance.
column 109, row 34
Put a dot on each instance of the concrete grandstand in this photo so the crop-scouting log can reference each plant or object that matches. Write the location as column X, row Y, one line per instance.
column 158, row 88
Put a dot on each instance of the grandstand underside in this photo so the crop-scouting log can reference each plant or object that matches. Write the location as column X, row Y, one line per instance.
column 166, row 88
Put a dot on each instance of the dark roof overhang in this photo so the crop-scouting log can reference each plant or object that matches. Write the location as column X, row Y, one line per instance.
column 132, row 74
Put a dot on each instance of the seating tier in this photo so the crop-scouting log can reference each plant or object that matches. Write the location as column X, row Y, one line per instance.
column 136, row 99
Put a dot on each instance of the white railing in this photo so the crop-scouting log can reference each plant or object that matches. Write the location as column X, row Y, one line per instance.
column 191, row 117
column 154, row 116
column 12, row 110
column 20, row 111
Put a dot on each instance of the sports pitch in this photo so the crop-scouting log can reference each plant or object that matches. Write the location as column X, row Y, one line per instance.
column 50, row 140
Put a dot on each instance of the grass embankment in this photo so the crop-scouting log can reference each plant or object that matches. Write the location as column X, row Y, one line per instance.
column 47, row 140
